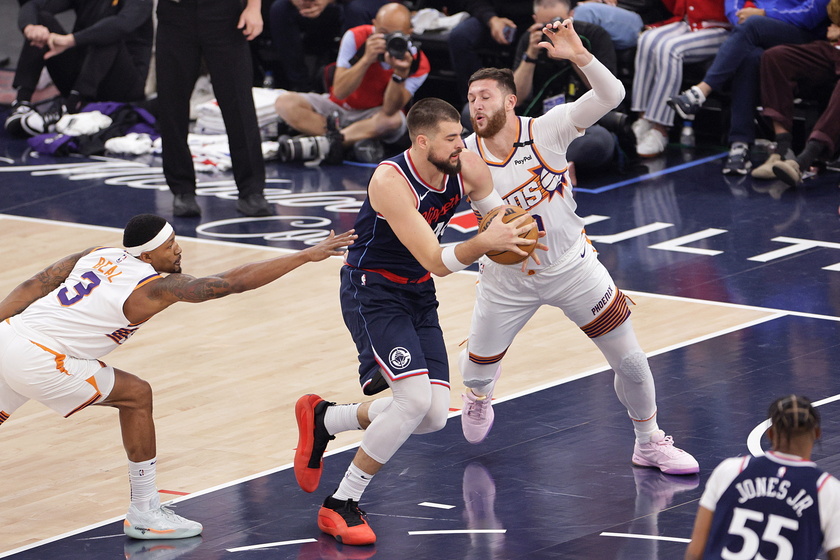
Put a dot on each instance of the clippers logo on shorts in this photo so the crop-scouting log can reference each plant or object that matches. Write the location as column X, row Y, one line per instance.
column 399, row 358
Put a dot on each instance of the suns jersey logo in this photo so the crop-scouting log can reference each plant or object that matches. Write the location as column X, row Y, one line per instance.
column 542, row 184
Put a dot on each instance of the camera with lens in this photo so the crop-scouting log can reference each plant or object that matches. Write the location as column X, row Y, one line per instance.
column 397, row 44
column 302, row 148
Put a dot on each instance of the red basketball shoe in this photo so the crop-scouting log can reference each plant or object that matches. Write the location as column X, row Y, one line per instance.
column 345, row 521
column 312, row 440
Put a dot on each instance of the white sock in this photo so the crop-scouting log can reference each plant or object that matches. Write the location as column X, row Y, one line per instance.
column 341, row 418
column 353, row 485
column 645, row 428
column 141, row 479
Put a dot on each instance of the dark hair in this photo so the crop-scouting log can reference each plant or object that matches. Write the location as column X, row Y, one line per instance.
column 792, row 416
column 425, row 115
column 502, row 76
column 142, row 228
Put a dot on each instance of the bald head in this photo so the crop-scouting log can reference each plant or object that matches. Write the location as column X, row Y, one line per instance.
column 393, row 17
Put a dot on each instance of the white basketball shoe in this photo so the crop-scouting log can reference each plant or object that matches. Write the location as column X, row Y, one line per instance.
column 159, row 523
column 477, row 415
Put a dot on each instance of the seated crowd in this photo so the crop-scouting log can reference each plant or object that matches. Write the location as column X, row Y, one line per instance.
column 348, row 70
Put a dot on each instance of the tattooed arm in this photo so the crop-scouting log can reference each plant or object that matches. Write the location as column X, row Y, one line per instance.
column 156, row 296
column 39, row 285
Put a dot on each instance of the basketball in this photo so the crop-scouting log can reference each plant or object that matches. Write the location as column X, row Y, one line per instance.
column 510, row 213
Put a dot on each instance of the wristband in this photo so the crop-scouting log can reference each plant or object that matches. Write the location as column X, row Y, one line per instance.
column 450, row 261
column 397, row 79
column 487, row 203
column 526, row 58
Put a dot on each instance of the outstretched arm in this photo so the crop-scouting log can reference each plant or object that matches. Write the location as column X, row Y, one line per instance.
column 39, row 285
column 607, row 90
column 156, row 296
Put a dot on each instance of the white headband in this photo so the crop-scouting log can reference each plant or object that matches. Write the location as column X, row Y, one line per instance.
column 153, row 243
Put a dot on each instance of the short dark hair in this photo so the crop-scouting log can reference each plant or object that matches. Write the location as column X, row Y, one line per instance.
column 141, row 229
column 425, row 116
column 502, row 76
column 792, row 416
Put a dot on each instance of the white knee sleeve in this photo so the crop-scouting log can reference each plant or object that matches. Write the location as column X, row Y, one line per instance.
column 411, row 401
column 479, row 377
column 633, row 379
column 634, row 367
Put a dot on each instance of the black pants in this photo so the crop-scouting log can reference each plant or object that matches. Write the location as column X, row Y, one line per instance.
column 97, row 72
column 187, row 31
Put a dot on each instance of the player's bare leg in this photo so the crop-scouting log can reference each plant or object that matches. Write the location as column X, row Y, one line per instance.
column 146, row 518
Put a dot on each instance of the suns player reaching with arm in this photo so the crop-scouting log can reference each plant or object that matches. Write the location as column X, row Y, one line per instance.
column 527, row 159
column 778, row 506
column 55, row 327
column 390, row 307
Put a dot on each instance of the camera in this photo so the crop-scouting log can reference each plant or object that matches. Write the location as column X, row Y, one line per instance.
column 312, row 150
column 397, row 44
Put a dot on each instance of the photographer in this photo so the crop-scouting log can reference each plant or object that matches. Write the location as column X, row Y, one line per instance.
column 543, row 82
column 377, row 72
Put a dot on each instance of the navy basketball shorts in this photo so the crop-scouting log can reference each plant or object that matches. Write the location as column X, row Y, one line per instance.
column 395, row 327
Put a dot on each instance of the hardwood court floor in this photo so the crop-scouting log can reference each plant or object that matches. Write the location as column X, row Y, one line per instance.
column 226, row 375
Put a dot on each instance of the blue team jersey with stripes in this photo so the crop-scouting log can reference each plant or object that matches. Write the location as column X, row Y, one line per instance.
column 378, row 248
column 771, row 509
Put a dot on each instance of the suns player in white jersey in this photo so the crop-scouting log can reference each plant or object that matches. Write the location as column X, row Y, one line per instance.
column 527, row 159
column 55, row 327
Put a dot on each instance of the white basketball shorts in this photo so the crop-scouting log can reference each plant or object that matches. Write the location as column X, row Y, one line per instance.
column 29, row 370
column 506, row 298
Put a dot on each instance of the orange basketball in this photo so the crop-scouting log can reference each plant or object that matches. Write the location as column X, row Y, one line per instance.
column 510, row 213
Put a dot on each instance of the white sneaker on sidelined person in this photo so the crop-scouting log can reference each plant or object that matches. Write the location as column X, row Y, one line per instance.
column 159, row 523
column 640, row 127
column 653, row 143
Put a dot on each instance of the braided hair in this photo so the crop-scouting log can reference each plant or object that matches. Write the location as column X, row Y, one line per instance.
column 792, row 416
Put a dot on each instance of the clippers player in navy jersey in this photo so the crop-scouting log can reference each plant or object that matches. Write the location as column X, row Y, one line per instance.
column 776, row 507
column 390, row 307
column 55, row 327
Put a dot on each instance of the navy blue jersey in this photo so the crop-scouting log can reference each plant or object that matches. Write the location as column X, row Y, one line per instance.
column 771, row 508
column 378, row 248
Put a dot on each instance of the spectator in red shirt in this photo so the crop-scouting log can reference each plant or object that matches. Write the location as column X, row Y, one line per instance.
column 373, row 81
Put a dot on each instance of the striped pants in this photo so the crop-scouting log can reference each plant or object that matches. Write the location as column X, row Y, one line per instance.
column 660, row 56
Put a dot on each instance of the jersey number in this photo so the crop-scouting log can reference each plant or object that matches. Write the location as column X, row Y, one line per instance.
column 81, row 288
column 772, row 534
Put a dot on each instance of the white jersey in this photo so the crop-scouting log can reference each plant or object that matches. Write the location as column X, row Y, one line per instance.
column 84, row 317
column 534, row 176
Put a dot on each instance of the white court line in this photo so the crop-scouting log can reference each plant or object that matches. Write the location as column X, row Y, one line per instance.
column 777, row 313
column 754, row 439
column 434, row 505
column 270, row 545
column 605, row 367
column 461, row 532
column 234, row 244
column 646, row 537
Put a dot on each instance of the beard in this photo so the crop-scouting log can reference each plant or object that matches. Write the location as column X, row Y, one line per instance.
column 493, row 124
column 444, row 165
